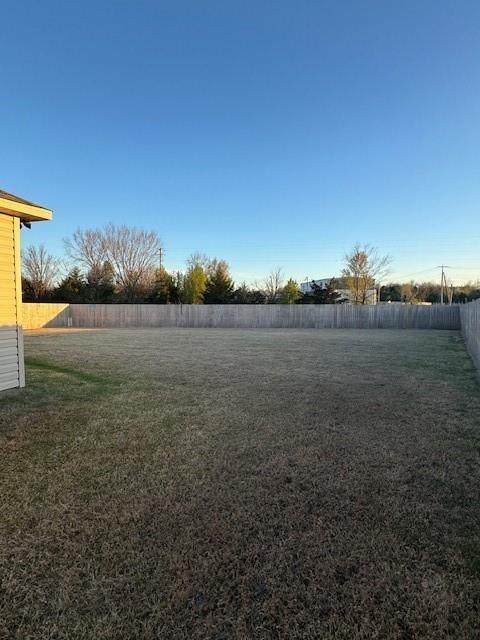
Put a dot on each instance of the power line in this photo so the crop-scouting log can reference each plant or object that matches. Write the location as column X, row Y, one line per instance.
column 416, row 273
column 465, row 268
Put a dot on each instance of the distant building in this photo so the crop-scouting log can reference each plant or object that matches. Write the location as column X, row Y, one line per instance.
column 346, row 294
column 306, row 287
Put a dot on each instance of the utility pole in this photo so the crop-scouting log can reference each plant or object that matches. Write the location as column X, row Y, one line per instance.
column 160, row 258
column 441, row 286
column 443, row 282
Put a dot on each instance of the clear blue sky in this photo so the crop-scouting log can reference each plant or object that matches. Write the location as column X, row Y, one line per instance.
column 267, row 133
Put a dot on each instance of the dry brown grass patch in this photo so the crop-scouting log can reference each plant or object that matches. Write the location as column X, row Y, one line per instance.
column 224, row 484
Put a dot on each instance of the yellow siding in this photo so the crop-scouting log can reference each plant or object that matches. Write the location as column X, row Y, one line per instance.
column 8, row 289
column 11, row 369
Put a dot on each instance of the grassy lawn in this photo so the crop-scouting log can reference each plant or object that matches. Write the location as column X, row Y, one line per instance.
column 217, row 484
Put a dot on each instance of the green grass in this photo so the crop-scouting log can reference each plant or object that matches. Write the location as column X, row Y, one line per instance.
column 226, row 484
column 36, row 363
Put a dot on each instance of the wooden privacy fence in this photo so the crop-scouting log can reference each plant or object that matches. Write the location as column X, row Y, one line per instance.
column 345, row 316
column 36, row 315
column 470, row 321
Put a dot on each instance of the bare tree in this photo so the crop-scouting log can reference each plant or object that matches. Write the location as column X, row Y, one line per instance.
column 40, row 269
column 364, row 268
column 199, row 259
column 87, row 247
column 272, row 285
column 130, row 252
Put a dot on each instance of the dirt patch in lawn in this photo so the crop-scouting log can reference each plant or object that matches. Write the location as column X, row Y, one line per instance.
column 227, row 484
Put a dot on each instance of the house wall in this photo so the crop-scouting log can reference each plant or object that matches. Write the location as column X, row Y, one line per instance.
column 346, row 294
column 11, row 338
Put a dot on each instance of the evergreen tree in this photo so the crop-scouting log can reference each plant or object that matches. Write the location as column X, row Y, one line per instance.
column 323, row 294
column 194, row 284
column 241, row 295
column 100, row 285
column 165, row 288
column 244, row 295
column 219, row 288
column 391, row 293
column 257, row 297
column 71, row 288
column 28, row 293
column 290, row 292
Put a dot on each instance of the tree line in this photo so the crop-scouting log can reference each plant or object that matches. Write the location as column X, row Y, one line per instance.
column 430, row 292
column 118, row 263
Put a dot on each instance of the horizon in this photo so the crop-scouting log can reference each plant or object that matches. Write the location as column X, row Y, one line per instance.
column 268, row 136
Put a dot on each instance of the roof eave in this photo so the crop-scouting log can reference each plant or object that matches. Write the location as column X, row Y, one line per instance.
column 27, row 212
